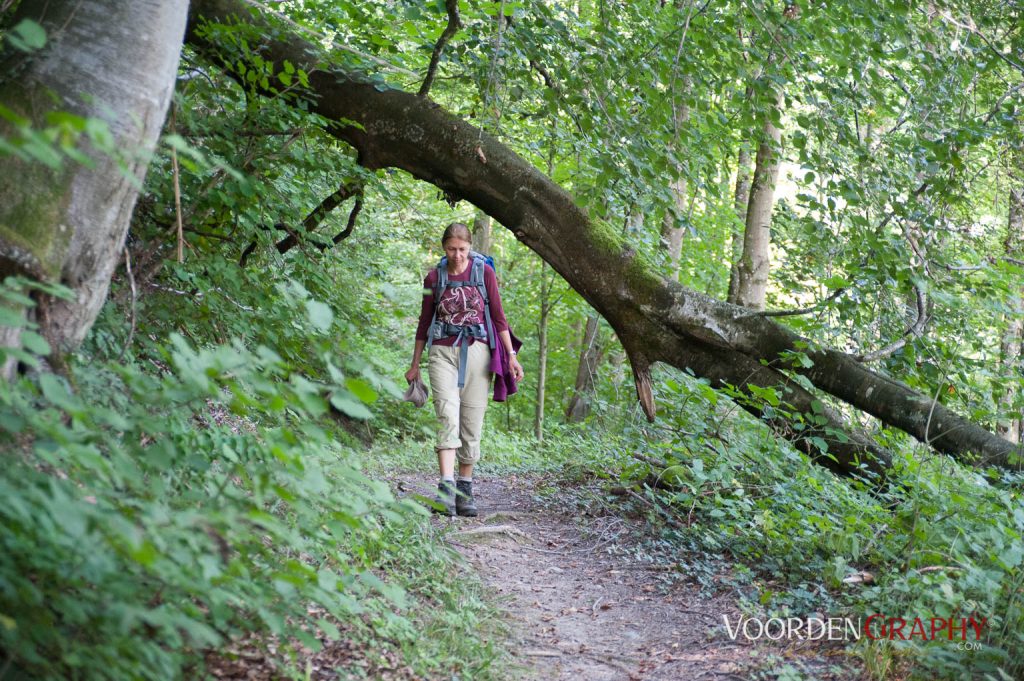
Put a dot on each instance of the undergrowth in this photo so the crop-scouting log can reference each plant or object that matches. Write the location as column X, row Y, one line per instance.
column 939, row 540
column 160, row 505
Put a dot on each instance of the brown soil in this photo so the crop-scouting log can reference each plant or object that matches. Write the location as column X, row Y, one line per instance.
column 581, row 608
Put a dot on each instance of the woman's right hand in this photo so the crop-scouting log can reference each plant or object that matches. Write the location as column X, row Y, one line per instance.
column 412, row 374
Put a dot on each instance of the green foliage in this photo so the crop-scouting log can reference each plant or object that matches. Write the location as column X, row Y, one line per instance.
column 150, row 518
column 940, row 540
column 26, row 36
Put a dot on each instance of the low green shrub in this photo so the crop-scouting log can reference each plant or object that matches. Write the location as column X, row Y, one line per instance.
column 149, row 518
column 940, row 540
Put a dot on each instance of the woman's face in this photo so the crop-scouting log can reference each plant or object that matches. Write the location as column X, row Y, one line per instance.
column 457, row 252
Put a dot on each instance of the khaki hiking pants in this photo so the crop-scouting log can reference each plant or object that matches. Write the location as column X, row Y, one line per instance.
column 460, row 412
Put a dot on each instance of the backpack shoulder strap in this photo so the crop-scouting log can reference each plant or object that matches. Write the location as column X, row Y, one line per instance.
column 476, row 275
column 442, row 280
column 476, row 278
column 439, row 285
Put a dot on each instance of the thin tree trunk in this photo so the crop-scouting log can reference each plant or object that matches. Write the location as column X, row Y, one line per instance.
column 755, row 264
column 740, row 200
column 483, row 240
column 108, row 61
column 1013, row 334
column 586, row 373
column 742, row 195
column 672, row 229
column 10, row 337
column 542, row 352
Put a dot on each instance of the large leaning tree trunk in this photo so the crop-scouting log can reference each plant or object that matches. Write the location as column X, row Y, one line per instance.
column 104, row 60
column 657, row 319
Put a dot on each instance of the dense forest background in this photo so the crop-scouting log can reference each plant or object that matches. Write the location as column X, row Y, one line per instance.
column 205, row 463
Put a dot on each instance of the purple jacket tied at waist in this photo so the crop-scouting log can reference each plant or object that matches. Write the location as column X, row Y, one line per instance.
column 504, row 381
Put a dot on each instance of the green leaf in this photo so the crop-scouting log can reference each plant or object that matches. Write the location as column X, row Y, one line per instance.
column 329, row 628
column 308, row 640
column 836, row 281
column 27, row 36
column 9, row 317
column 20, row 355
column 55, row 390
column 346, row 405
column 1011, row 557
column 767, row 394
column 320, row 314
column 41, row 150
column 362, row 390
column 145, row 553
column 33, row 342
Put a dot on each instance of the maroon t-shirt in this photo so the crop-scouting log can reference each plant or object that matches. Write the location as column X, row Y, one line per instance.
column 461, row 305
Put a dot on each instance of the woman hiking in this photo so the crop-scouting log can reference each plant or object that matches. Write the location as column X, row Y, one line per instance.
column 464, row 328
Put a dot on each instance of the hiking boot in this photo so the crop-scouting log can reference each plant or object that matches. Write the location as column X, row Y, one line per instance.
column 444, row 501
column 464, row 504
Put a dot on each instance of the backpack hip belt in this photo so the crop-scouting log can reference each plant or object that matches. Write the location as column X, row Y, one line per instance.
column 462, row 335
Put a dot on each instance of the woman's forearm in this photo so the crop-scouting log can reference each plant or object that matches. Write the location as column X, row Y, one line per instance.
column 417, row 352
column 506, row 342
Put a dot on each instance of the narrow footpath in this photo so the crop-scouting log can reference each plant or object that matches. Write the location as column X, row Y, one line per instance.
column 581, row 608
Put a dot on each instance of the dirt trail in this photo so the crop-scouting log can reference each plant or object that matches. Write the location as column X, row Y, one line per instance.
column 580, row 612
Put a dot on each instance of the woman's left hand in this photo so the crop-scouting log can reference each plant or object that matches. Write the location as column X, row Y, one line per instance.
column 517, row 368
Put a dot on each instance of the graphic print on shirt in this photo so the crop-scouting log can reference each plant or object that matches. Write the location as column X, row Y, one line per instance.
column 461, row 306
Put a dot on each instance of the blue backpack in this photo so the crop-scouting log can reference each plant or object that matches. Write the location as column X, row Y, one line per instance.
column 483, row 331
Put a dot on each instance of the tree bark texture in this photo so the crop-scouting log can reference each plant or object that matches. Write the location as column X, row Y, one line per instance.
column 1012, row 350
column 740, row 200
column 482, row 239
column 656, row 318
column 755, row 263
column 542, row 353
column 104, row 60
column 672, row 229
column 586, row 373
